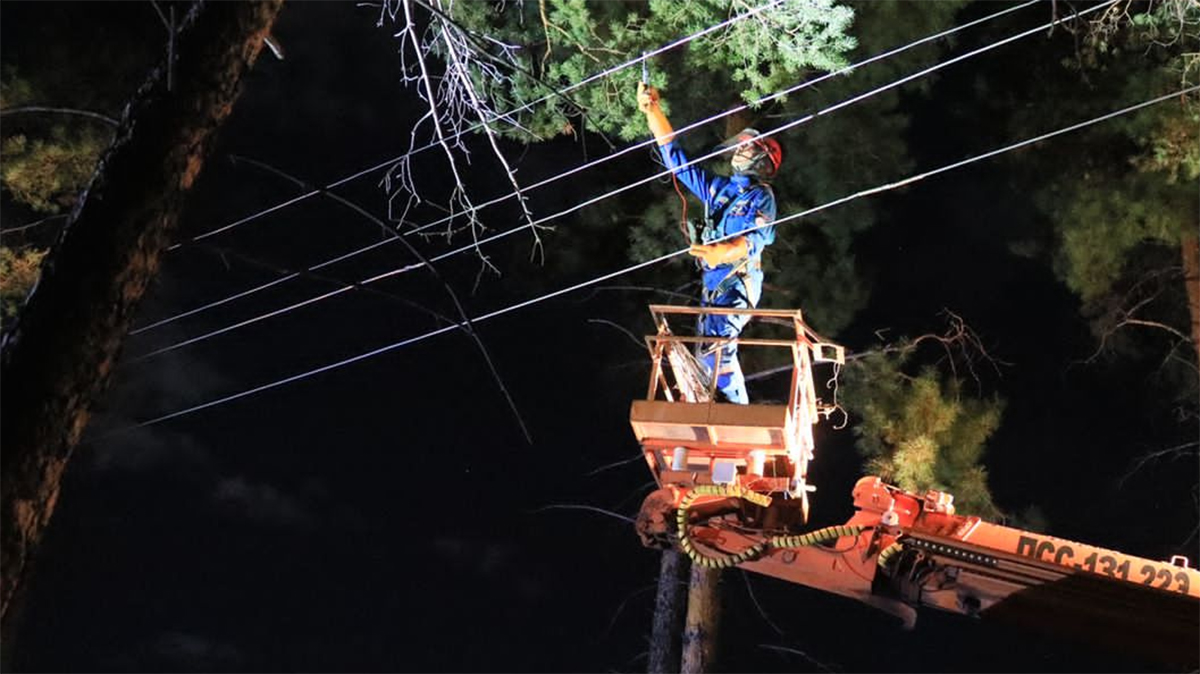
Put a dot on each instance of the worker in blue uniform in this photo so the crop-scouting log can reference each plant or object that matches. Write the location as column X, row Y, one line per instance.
column 738, row 211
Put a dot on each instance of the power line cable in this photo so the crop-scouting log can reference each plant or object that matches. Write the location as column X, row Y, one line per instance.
column 306, row 195
column 662, row 258
column 959, row 164
column 587, row 80
column 61, row 111
column 390, row 231
column 592, row 164
column 539, row 221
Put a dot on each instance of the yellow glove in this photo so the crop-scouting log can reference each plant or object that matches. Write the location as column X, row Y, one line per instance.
column 725, row 252
column 647, row 102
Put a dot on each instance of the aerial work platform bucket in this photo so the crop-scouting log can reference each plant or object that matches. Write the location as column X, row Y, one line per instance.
column 689, row 439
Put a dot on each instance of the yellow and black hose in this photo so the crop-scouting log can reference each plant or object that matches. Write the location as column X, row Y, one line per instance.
column 815, row 537
column 887, row 553
column 685, row 542
column 711, row 561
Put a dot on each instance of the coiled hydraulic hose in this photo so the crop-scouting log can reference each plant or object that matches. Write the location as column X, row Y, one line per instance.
column 711, row 561
column 887, row 553
column 814, row 537
column 685, row 542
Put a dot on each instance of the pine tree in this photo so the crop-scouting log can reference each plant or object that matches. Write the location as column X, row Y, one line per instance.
column 60, row 353
column 1124, row 216
column 920, row 431
column 45, row 162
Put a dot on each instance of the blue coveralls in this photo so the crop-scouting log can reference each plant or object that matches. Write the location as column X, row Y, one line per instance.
column 731, row 205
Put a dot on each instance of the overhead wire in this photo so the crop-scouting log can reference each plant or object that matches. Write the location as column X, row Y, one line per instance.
column 970, row 160
column 667, row 172
column 588, row 165
column 584, row 82
column 646, row 263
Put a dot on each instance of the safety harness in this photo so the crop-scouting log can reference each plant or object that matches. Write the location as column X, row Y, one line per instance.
column 712, row 218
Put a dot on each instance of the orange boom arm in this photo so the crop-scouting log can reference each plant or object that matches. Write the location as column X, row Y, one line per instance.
column 733, row 491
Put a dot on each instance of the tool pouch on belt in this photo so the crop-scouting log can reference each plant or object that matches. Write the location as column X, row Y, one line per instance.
column 739, row 272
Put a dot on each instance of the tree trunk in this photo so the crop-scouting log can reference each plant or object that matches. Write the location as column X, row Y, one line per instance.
column 61, row 351
column 700, row 630
column 668, row 614
column 1191, row 278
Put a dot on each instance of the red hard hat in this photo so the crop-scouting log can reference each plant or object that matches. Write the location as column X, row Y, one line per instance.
column 769, row 147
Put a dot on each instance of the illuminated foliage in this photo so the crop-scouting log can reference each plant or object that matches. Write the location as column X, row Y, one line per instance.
column 921, row 432
column 1135, row 178
column 44, row 165
column 47, row 174
column 573, row 39
column 18, row 272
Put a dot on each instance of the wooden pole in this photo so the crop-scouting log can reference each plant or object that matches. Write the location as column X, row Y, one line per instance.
column 669, row 604
column 703, row 621
column 1190, row 246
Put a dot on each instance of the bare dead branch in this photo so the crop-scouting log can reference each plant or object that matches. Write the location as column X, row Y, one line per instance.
column 1167, row 454
column 614, row 464
column 621, row 607
column 1128, row 310
column 469, row 326
column 224, row 253
column 546, row 30
column 959, row 342
column 1195, row 508
column 460, row 201
column 509, row 61
column 635, row 493
column 1155, row 324
column 590, row 508
column 1173, row 356
column 478, row 68
column 35, row 223
column 795, row 651
column 632, row 337
column 163, row 17
column 761, row 611
column 770, row 373
column 458, row 56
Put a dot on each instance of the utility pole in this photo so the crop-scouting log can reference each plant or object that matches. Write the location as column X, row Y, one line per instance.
column 1190, row 246
column 703, row 621
column 670, row 603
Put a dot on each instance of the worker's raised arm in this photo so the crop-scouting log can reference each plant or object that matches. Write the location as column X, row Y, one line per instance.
column 690, row 175
column 647, row 99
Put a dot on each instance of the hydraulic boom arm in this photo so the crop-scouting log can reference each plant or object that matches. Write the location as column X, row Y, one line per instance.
column 902, row 550
column 734, row 492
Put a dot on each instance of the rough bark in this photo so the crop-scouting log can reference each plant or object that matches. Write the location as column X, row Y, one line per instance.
column 58, row 357
column 1191, row 279
column 701, row 626
column 668, row 614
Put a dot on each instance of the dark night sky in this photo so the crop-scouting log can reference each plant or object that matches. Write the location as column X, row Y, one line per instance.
column 387, row 516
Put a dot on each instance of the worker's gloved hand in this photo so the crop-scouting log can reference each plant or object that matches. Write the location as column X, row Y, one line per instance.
column 725, row 252
column 647, row 98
